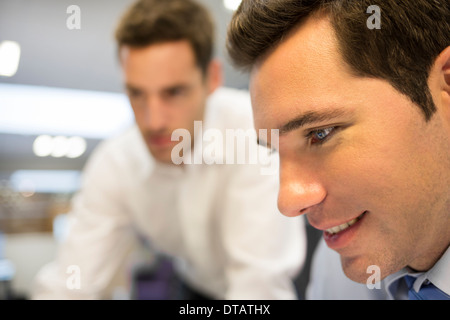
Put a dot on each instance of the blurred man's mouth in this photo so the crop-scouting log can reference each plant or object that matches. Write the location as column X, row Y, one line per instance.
column 159, row 141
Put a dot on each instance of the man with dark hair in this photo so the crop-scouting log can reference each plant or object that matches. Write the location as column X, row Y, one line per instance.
column 218, row 223
column 364, row 133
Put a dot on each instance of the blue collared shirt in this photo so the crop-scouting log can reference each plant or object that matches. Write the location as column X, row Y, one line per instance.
column 438, row 275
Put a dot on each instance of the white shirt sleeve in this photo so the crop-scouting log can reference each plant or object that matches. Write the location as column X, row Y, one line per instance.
column 265, row 250
column 98, row 239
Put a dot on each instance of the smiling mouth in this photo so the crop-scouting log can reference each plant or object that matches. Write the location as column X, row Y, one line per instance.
column 342, row 227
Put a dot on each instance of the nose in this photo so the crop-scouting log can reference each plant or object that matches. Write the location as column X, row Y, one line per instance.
column 153, row 118
column 300, row 189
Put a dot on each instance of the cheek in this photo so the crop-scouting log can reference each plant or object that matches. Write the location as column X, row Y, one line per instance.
column 366, row 171
column 186, row 113
column 388, row 177
column 139, row 115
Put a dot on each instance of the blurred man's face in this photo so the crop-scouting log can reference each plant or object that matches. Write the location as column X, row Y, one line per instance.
column 167, row 91
column 354, row 151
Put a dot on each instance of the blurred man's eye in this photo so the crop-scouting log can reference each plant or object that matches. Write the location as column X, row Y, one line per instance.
column 134, row 94
column 175, row 92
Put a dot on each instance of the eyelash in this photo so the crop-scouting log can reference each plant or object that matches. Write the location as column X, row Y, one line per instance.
column 309, row 136
column 319, row 141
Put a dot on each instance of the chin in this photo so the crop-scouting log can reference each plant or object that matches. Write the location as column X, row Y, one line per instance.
column 164, row 156
column 163, row 159
column 361, row 269
column 355, row 269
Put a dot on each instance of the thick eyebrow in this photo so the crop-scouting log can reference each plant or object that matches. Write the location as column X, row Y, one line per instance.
column 175, row 87
column 168, row 89
column 312, row 117
column 130, row 87
column 306, row 118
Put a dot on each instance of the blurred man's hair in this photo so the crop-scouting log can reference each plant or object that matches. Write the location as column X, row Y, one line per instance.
column 149, row 22
column 412, row 34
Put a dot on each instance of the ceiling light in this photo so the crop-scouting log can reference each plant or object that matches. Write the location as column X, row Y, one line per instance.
column 9, row 58
column 232, row 4
column 43, row 146
column 59, row 146
column 77, row 146
column 59, row 111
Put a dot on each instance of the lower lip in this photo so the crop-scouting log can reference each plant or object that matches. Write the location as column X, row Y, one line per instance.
column 343, row 238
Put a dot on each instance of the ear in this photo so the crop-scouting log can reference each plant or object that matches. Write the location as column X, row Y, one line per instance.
column 214, row 77
column 445, row 79
column 440, row 82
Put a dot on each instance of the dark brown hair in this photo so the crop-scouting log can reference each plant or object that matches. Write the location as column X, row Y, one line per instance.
column 411, row 36
column 148, row 22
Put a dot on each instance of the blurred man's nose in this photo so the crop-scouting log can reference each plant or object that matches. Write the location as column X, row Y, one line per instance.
column 300, row 189
column 154, row 116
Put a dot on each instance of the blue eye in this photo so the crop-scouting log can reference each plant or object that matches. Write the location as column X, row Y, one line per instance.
column 320, row 135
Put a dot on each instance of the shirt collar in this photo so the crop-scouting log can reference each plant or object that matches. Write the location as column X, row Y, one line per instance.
column 439, row 275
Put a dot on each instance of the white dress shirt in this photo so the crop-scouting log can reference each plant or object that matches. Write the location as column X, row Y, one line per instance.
column 221, row 222
column 328, row 281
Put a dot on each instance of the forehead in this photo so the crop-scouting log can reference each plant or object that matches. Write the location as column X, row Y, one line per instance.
column 160, row 62
column 303, row 72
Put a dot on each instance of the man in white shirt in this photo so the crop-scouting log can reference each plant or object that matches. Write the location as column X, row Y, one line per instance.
column 219, row 222
column 360, row 94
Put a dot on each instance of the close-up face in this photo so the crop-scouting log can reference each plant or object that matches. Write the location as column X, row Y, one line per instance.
column 356, row 156
column 167, row 91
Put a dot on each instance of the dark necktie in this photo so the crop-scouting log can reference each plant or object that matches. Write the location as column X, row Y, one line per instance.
column 426, row 292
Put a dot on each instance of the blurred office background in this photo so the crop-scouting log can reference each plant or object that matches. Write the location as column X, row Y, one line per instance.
column 60, row 95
